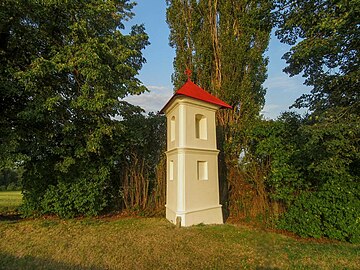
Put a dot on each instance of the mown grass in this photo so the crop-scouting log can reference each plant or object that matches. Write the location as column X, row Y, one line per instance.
column 153, row 243
column 9, row 201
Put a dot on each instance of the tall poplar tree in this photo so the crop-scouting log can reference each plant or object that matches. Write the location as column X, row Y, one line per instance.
column 223, row 43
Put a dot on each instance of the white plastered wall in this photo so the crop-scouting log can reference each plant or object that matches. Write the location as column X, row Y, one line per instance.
column 194, row 200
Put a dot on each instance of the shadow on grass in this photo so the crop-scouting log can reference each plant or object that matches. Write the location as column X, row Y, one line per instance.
column 10, row 217
column 8, row 261
column 266, row 268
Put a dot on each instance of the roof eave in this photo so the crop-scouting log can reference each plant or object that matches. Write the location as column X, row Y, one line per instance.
column 221, row 106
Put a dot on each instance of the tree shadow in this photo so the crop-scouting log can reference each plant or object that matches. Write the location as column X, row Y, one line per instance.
column 267, row 268
column 9, row 261
column 10, row 217
column 222, row 168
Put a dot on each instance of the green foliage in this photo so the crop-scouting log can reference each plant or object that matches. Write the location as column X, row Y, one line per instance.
column 223, row 43
column 332, row 147
column 332, row 211
column 127, row 178
column 65, row 66
column 145, row 136
column 276, row 147
column 137, row 166
column 325, row 36
column 331, row 167
column 82, row 197
column 311, row 168
column 10, row 179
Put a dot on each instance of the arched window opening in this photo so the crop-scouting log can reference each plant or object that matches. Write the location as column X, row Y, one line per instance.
column 172, row 128
column 200, row 127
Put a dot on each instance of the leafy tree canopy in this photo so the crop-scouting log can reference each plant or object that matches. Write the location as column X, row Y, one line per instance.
column 223, row 42
column 325, row 35
column 326, row 39
column 65, row 65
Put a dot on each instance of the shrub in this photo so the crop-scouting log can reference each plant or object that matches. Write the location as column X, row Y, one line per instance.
column 332, row 211
column 83, row 197
column 11, row 187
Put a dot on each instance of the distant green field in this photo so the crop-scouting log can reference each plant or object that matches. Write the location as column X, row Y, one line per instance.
column 10, row 201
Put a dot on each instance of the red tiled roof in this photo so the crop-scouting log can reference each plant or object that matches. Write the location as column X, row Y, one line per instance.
column 190, row 89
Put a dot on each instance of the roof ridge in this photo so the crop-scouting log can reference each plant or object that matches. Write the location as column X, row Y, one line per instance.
column 192, row 90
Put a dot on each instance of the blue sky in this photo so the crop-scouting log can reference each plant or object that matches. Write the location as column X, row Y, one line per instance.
column 156, row 73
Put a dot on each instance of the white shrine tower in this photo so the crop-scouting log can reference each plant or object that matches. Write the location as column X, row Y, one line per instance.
column 192, row 193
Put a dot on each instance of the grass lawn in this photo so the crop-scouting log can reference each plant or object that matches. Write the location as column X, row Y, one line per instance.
column 9, row 201
column 153, row 243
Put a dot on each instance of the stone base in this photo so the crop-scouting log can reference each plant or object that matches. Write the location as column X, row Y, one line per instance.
column 211, row 215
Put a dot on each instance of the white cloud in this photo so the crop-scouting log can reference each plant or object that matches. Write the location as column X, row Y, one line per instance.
column 272, row 111
column 270, row 107
column 282, row 91
column 285, row 84
column 152, row 101
column 157, row 88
